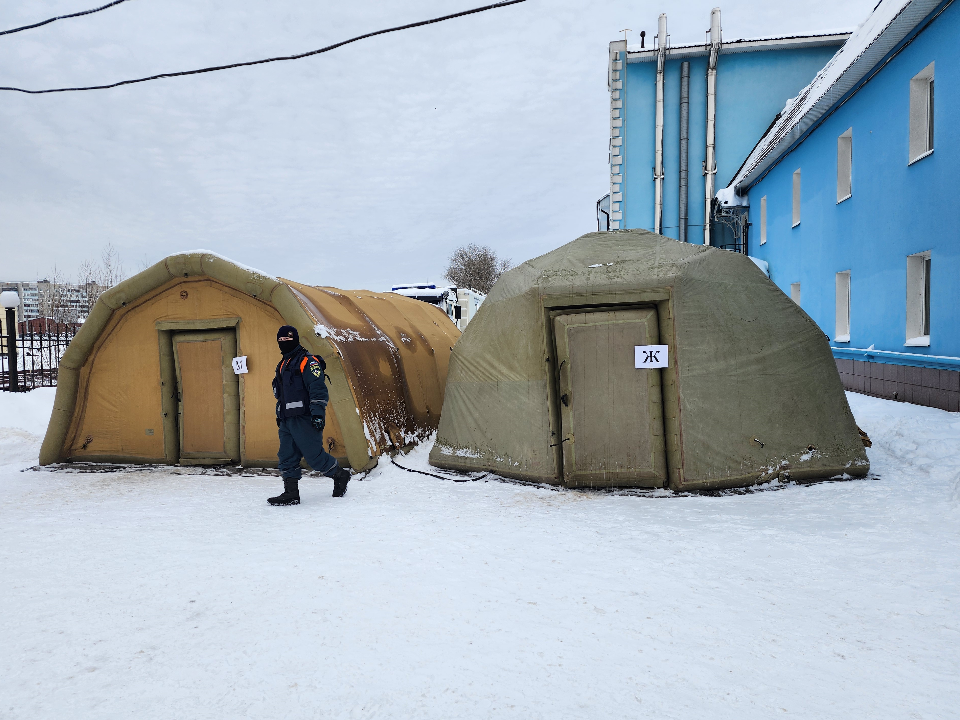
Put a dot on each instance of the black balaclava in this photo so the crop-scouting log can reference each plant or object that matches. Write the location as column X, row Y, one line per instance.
column 288, row 339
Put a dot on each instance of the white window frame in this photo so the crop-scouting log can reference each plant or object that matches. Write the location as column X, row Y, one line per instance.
column 921, row 115
column 845, row 166
column 842, row 329
column 795, row 292
column 763, row 220
column 918, row 299
column 796, row 197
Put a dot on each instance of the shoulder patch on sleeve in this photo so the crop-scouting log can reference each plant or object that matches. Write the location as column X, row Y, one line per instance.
column 315, row 369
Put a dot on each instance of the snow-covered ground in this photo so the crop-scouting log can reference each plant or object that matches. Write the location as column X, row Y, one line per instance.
column 154, row 594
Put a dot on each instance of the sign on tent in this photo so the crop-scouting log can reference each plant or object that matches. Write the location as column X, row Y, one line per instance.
column 650, row 356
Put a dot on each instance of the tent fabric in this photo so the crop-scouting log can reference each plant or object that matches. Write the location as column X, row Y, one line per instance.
column 116, row 401
column 751, row 392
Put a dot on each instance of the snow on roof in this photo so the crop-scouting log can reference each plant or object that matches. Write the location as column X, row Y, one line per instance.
column 837, row 37
column 727, row 197
column 889, row 23
column 221, row 257
column 434, row 295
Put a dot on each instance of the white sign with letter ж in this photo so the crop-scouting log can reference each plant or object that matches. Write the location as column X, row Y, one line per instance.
column 650, row 356
column 240, row 365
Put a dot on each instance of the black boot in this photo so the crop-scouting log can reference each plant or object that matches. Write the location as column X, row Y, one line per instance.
column 340, row 480
column 291, row 494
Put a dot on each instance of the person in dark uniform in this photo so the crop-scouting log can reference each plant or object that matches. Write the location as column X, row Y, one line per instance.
column 302, row 398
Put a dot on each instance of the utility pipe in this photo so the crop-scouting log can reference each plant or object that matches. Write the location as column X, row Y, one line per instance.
column 684, row 144
column 658, row 169
column 710, row 164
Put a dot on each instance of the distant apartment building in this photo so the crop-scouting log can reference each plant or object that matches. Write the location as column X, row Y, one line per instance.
column 61, row 302
column 29, row 293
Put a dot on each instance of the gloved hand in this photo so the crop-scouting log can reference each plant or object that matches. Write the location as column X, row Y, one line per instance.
column 318, row 422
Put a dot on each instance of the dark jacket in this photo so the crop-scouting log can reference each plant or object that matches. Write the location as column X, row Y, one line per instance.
column 299, row 385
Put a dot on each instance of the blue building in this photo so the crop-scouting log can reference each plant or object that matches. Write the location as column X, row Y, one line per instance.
column 851, row 203
column 684, row 119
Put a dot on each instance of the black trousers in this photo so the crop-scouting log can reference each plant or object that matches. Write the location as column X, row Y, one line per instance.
column 299, row 439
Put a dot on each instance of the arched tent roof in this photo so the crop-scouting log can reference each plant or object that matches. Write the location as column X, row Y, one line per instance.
column 751, row 391
column 386, row 359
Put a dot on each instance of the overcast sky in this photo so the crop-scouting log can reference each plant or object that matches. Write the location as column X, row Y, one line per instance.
column 357, row 168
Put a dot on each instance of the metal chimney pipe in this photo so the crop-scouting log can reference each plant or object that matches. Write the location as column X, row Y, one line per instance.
column 658, row 169
column 710, row 164
column 684, row 145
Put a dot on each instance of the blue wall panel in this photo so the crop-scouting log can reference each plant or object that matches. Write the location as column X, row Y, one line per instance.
column 698, row 147
column 671, row 149
column 639, row 125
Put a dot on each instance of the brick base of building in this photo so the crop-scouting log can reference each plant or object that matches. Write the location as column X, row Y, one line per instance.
column 920, row 386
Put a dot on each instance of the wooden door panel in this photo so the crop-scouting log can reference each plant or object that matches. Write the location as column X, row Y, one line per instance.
column 201, row 396
column 611, row 411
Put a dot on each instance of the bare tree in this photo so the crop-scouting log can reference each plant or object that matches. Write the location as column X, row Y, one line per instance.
column 58, row 301
column 476, row 267
column 98, row 277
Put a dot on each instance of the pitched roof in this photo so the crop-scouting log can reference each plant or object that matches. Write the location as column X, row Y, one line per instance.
column 888, row 25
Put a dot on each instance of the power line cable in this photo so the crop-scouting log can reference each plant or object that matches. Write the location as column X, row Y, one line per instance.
column 61, row 17
column 216, row 68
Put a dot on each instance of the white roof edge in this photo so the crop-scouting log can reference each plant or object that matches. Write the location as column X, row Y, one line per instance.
column 226, row 259
column 886, row 27
column 741, row 46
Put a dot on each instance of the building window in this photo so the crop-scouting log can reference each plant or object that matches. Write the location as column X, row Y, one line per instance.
column 845, row 166
column 921, row 114
column 918, row 299
column 763, row 220
column 843, row 307
column 796, row 197
column 795, row 292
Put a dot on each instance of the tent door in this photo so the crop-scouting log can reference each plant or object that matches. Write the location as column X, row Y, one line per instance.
column 208, row 397
column 611, row 412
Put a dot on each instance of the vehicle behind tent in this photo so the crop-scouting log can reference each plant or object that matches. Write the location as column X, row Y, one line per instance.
column 625, row 359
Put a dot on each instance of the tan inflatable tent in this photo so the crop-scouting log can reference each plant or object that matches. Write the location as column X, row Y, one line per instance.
column 555, row 379
column 149, row 377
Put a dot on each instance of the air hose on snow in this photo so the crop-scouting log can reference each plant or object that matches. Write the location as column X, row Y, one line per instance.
column 439, row 477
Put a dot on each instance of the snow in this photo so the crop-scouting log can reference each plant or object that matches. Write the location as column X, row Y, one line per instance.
column 341, row 335
column 434, row 294
column 218, row 256
column 414, row 286
column 728, row 197
column 29, row 411
column 762, row 264
column 23, row 422
column 458, row 452
column 732, row 44
column 177, row 592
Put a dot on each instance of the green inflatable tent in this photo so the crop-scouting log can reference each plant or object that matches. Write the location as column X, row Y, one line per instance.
column 626, row 359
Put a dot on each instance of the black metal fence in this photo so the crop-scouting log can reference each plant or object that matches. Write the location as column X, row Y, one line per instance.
column 38, row 358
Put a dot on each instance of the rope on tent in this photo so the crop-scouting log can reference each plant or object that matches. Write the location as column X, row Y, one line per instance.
column 439, row 477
